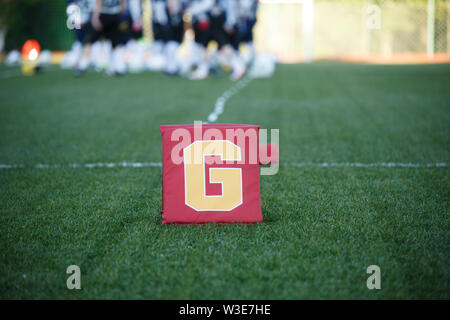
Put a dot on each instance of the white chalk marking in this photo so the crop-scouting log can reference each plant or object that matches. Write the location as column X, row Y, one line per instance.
column 366, row 165
column 130, row 164
column 222, row 100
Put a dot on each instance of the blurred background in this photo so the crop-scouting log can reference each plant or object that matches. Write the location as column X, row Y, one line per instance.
column 295, row 30
column 364, row 151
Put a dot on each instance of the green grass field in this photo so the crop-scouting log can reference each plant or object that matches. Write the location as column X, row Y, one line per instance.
column 323, row 225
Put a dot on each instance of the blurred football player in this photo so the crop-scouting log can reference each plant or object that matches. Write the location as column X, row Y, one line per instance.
column 106, row 18
column 161, row 31
column 134, row 10
column 134, row 50
column 79, row 15
column 176, row 26
column 199, row 11
column 216, row 20
column 246, row 22
column 231, row 50
column 168, row 31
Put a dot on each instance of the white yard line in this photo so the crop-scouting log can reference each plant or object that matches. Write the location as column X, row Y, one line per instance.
column 213, row 117
column 123, row 164
column 219, row 106
column 366, row 165
column 130, row 164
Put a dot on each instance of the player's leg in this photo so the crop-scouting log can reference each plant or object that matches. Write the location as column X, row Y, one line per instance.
column 135, row 14
column 114, row 33
column 248, row 18
column 158, row 38
column 78, row 17
column 248, row 38
column 134, row 50
column 175, row 38
column 89, row 36
column 202, row 31
column 228, row 40
column 160, row 27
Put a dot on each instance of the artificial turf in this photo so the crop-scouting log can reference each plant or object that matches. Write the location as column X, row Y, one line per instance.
column 323, row 225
